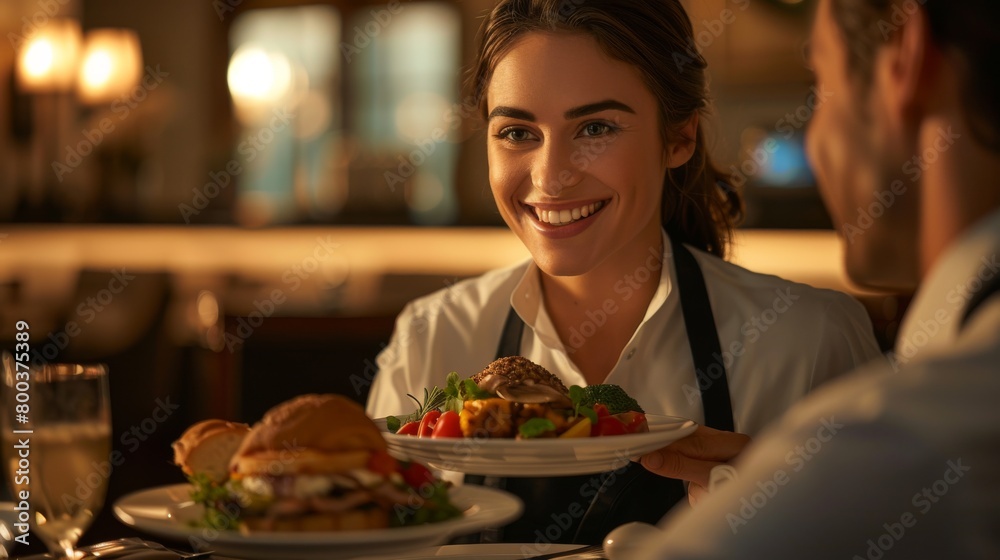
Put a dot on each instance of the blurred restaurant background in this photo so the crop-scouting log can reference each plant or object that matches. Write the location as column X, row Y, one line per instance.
column 228, row 201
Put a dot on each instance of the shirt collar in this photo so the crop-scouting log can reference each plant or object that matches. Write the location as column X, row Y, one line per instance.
column 932, row 321
column 526, row 299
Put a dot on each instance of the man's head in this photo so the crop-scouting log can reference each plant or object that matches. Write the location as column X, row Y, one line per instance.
column 910, row 112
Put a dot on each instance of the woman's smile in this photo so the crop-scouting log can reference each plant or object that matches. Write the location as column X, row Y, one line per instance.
column 564, row 217
column 564, row 220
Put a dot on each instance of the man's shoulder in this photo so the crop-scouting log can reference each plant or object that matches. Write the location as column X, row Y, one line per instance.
column 937, row 400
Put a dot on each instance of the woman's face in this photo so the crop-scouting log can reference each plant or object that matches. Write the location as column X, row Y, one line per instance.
column 575, row 152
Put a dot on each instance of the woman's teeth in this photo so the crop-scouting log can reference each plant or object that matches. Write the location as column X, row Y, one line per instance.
column 563, row 217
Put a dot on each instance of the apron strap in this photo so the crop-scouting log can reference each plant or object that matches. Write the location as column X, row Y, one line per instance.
column 703, row 338
column 510, row 339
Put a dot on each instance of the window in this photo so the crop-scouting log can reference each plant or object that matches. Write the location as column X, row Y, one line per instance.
column 284, row 76
column 347, row 118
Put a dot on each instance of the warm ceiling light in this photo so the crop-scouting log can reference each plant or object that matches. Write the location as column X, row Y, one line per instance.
column 97, row 69
column 256, row 75
column 38, row 58
column 112, row 65
column 47, row 61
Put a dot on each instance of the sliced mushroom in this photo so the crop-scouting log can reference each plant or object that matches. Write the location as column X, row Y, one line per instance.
column 518, row 379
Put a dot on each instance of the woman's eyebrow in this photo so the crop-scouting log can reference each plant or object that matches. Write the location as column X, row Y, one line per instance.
column 511, row 112
column 575, row 113
column 608, row 104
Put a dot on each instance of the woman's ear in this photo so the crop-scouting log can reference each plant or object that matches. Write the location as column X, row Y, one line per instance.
column 681, row 148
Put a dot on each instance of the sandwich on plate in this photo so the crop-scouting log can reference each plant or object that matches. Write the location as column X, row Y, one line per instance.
column 313, row 463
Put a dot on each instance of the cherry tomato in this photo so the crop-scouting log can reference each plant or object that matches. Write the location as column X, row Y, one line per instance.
column 416, row 475
column 409, row 429
column 635, row 422
column 601, row 410
column 608, row 426
column 447, row 426
column 427, row 423
column 382, row 463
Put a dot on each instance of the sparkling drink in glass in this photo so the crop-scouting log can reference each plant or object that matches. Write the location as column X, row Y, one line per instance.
column 56, row 442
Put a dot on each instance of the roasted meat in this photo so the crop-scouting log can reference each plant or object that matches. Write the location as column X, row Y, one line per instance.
column 518, row 379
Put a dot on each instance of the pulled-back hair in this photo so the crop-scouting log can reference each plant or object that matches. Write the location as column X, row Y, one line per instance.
column 967, row 26
column 699, row 207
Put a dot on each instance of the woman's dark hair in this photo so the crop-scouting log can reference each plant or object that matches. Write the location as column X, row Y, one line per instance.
column 966, row 26
column 655, row 36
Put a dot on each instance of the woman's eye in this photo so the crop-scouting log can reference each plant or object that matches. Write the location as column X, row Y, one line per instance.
column 518, row 135
column 514, row 135
column 597, row 129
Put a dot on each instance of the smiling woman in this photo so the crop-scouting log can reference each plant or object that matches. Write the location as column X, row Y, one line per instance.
column 652, row 94
column 569, row 171
column 597, row 164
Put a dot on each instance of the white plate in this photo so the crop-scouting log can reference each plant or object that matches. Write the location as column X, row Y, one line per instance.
column 538, row 457
column 167, row 511
column 490, row 551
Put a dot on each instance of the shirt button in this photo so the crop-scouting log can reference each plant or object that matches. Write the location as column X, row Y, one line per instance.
column 630, row 354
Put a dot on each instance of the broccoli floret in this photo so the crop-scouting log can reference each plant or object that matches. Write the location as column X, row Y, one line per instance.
column 611, row 396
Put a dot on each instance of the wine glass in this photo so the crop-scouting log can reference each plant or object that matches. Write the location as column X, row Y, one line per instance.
column 56, row 434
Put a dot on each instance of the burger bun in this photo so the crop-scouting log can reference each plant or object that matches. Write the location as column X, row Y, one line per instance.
column 310, row 434
column 207, row 447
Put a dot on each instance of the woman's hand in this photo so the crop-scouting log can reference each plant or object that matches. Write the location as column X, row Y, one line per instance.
column 692, row 458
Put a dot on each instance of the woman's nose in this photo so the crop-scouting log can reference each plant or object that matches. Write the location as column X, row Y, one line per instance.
column 554, row 168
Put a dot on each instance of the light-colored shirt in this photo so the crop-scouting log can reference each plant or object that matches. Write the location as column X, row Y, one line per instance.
column 779, row 339
column 893, row 464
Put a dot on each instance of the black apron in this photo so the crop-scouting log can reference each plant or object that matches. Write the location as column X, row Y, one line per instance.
column 584, row 509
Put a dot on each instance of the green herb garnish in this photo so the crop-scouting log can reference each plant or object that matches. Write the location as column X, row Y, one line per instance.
column 459, row 390
column 211, row 497
column 434, row 399
column 472, row 391
column 536, row 427
column 392, row 424
column 578, row 395
column 432, row 508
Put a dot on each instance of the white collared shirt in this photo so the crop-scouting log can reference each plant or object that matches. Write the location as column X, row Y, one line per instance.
column 780, row 339
column 900, row 464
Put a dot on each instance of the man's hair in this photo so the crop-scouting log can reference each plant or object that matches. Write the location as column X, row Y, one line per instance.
column 965, row 27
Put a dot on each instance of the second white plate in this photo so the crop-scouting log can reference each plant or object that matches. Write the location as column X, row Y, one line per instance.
column 167, row 511
column 540, row 457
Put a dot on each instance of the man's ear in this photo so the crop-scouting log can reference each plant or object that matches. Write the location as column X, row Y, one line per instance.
column 907, row 67
column 681, row 148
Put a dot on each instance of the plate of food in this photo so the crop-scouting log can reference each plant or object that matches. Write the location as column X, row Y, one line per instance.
column 313, row 479
column 515, row 418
